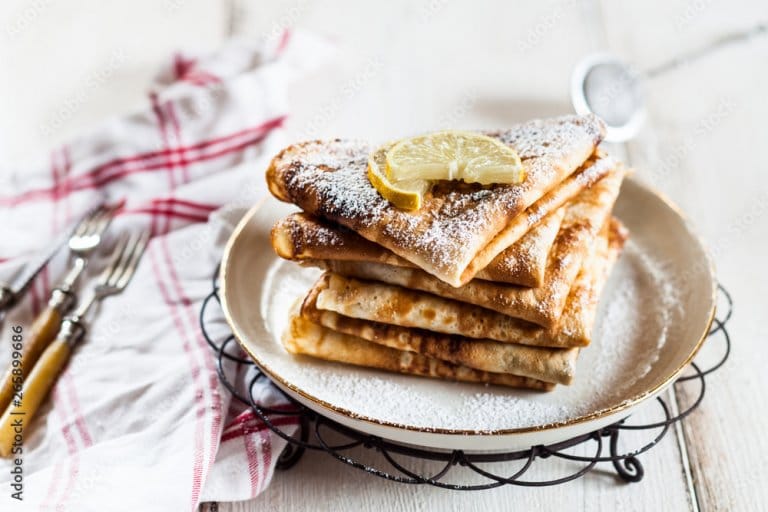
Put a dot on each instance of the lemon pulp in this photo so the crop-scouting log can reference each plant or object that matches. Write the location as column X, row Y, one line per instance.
column 454, row 155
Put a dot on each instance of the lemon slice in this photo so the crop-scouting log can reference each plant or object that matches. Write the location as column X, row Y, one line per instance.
column 406, row 195
column 454, row 155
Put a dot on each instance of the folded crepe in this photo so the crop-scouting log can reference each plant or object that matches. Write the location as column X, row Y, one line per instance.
column 301, row 236
column 543, row 305
column 460, row 227
column 584, row 216
column 308, row 338
column 395, row 305
column 525, row 262
column 555, row 365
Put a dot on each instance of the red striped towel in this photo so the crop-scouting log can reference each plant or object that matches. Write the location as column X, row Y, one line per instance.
column 138, row 419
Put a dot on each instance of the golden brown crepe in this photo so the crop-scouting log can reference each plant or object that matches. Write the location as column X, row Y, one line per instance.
column 460, row 227
column 301, row 236
column 524, row 263
column 308, row 338
column 555, row 365
column 394, row 305
column 584, row 217
column 593, row 171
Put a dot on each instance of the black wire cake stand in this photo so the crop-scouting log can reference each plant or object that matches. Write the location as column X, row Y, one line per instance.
column 457, row 469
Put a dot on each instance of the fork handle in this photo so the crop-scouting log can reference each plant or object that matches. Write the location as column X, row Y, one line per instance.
column 42, row 332
column 38, row 383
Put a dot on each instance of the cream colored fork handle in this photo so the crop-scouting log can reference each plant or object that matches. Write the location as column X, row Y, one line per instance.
column 19, row 415
column 43, row 331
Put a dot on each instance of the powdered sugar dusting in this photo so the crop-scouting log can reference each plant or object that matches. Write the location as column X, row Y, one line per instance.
column 528, row 144
column 329, row 179
column 525, row 407
column 639, row 312
column 339, row 179
column 319, row 235
column 628, row 313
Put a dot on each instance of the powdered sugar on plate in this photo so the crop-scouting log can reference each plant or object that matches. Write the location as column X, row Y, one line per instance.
column 652, row 316
column 627, row 313
column 638, row 312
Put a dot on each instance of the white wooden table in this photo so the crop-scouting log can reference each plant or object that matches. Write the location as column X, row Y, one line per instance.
column 412, row 66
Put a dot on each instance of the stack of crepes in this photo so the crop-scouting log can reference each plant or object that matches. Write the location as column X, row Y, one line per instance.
column 494, row 284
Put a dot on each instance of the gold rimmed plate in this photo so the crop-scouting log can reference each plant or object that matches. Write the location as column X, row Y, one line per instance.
column 653, row 316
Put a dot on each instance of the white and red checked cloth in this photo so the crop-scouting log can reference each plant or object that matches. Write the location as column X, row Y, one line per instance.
column 138, row 420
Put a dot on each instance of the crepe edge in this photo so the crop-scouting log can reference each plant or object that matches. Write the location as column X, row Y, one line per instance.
column 556, row 365
column 303, row 337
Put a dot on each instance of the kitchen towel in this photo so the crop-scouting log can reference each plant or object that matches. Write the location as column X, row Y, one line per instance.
column 138, row 420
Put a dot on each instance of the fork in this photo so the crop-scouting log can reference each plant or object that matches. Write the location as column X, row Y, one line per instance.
column 86, row 236
column 112, row 280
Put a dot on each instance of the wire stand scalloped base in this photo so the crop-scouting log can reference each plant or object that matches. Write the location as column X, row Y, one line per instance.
column 310, row 424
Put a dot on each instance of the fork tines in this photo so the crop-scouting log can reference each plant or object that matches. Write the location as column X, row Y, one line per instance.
column 95, row 220
column 125, row 259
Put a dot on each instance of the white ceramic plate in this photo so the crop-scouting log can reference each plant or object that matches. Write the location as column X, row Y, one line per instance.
column 653, row 316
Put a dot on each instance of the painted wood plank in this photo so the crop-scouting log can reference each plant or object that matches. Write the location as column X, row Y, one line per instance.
column 76, row 63
column 703, row 147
